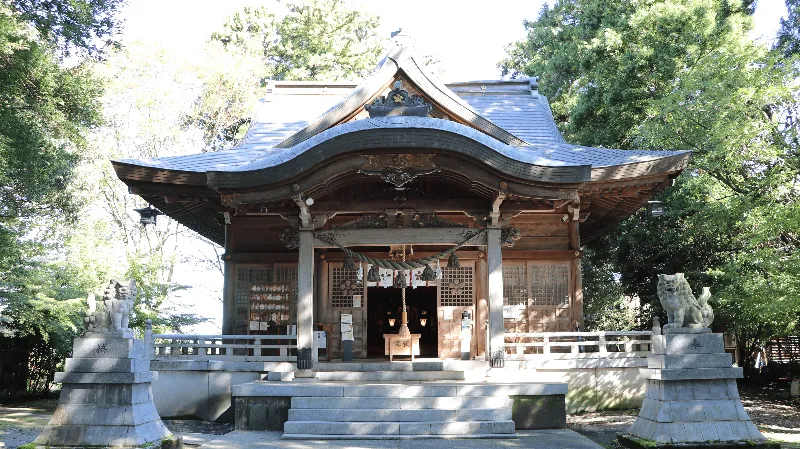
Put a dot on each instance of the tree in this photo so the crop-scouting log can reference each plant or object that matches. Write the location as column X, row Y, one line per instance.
column 75, row 25
column 319, row 40
column 788, row 39
column 46, row 113
column 684, row 75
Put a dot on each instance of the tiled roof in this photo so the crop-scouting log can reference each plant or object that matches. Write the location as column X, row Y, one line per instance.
column 510, row 108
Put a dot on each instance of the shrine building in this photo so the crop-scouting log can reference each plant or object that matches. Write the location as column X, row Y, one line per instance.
column 401, row 202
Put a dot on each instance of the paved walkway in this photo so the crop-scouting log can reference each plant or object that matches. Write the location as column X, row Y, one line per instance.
column 535, row 439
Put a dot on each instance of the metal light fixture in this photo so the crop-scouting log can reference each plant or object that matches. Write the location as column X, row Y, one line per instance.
column 656, row 208
column 391, row 322
column 148, row 215
column 423, row 322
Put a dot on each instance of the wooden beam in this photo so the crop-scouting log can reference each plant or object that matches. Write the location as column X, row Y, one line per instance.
column 408, row 236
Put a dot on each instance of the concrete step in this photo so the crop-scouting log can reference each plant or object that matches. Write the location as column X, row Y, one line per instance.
column 460, row 402
column 477, row 436
column 380, row 366
column 345, row 376
column 408, row 415
column 323, row 428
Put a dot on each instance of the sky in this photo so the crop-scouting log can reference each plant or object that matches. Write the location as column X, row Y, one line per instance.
column 468, row 38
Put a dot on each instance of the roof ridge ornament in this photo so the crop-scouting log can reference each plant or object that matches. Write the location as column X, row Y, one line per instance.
column 398, row 102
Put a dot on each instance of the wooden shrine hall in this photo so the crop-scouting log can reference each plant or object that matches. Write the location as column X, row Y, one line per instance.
column 402, row 208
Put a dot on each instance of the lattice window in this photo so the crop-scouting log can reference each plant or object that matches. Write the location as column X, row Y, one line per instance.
column 549, row 285
column 343, row 287
column 246, row 275
column 515, row 285
column 456, row 287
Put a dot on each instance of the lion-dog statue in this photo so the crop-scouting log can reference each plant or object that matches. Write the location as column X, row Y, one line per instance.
column 683, row 309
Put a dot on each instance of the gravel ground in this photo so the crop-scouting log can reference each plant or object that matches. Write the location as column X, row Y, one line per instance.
column 769, row 406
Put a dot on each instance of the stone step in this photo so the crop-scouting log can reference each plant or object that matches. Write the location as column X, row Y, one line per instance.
column 477, row 436
column 460, row 402
column 408, row 415
column 344, row 376
column 379, row 366
column 323, row 428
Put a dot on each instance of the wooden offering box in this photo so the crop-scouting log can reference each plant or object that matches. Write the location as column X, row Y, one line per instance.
column 397, row 345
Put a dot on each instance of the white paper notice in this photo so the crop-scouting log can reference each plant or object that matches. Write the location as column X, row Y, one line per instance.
column 448, row 314
column 356, row 300
column 263, row 326
column 347, row 318
column 347, row 335
column 347, row 327
column 322, row 341
column 254, row 325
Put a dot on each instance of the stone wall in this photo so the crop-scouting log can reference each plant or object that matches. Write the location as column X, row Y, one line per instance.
column 594, row 384
column 203, row 389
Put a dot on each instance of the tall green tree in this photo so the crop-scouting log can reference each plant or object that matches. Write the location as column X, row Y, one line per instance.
column 46, row 113
column 788, row 39
column 684, row 75
column 317, row 40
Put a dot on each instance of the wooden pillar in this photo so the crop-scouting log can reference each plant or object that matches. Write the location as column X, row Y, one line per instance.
column 305, row 300
column 494, row 258
column 576, row 276
column 228, row 287
column 482, row 307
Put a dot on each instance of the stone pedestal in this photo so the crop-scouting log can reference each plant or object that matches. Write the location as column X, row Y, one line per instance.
column 691, row 394
column 106, row 398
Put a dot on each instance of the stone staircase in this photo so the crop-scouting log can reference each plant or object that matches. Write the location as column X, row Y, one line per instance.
column 382, row 400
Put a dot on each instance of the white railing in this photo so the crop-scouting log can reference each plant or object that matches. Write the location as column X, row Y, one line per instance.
column 577, row 345
column 242, row 348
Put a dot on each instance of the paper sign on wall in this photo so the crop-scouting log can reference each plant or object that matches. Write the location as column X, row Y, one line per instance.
column 322, row 340
column 263, row 326
column 356, row 300
column 448, row 314
column 254, row 325
column 347, row 336
column 346, row 318
column 347, row 327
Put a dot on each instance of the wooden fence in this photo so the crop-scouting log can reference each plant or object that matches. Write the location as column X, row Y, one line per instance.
column 575, row 345
column 241, row 348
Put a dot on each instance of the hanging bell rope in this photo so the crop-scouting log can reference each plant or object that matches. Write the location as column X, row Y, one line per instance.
column 330, row 238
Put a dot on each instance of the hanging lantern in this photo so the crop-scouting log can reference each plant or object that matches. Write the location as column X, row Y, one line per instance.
column 400, row 280
column 453, row 262
column 148, row 215
column 427, row 274
column 349, row 264
column 374, row 274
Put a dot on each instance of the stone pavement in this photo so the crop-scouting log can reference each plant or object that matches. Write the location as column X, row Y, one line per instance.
column 534, row 439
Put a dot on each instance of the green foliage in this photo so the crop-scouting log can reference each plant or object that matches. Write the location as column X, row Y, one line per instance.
column 684, row 75
column 324, row 40
column 789, row 34
column 74, row 25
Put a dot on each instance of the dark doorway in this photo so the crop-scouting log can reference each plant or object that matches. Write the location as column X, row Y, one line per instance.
column 384, row 304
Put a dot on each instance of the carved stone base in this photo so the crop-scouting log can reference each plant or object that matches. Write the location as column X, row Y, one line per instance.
column 106, row 398
column 691, row 395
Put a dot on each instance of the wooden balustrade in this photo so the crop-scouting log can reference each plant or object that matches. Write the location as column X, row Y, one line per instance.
column 241, row 348
column 575, row 345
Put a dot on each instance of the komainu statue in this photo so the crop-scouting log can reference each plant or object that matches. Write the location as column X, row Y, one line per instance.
column 683, row 309
column 114, row 313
